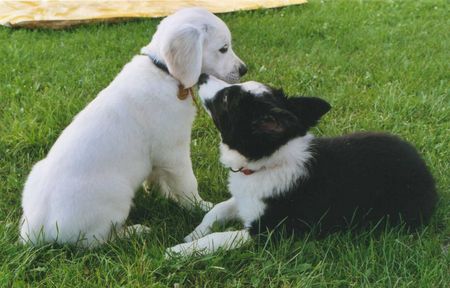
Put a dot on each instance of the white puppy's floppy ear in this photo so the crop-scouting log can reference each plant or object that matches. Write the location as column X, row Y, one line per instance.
column 182, row 51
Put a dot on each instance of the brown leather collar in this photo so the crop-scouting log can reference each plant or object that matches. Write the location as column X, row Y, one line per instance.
column 183, row 93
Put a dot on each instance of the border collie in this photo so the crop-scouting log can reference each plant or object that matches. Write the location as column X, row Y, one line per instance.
column 285, row 179
column 138, row 127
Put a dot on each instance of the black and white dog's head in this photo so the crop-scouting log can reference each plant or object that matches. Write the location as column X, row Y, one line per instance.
column 255, row 120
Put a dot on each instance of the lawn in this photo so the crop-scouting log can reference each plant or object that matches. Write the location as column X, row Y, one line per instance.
column 382, row 65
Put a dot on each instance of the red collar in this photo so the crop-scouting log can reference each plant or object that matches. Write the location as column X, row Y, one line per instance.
column 247, row 172
column 244, row 171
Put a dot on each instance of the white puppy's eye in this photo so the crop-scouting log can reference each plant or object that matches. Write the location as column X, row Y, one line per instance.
column 224, row 49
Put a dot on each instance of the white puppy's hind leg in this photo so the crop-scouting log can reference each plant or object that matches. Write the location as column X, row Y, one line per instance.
column 211, row 243
column 224, row 211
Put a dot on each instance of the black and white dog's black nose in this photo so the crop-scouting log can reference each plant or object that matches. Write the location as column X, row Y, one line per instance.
column 202, row 79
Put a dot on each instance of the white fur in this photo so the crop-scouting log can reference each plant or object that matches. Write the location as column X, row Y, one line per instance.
column 231, row 158
column 254, row 87
column 213, row 85
column 273, row 175
column 136, row 126
column 196, row 36
column 209, row 89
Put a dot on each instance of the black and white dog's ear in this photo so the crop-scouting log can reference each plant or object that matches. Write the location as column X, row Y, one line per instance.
column 275, row 123
column 309, row 110
column 182, row 51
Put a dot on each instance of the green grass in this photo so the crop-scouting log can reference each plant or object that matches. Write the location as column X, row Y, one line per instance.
column 382, row 65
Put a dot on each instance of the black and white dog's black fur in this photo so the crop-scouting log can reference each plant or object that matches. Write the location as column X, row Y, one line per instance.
column 285, row 178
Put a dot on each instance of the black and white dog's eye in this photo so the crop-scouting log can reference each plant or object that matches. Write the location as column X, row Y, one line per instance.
column 225, row 99
column 224, row 49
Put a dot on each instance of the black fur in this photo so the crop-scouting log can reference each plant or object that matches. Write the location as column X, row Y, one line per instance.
column 353, row 181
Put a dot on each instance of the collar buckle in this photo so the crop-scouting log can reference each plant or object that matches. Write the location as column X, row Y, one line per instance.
column 184, row 93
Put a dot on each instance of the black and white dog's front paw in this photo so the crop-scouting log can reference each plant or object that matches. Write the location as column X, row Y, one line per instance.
column 210, row 243
column 181, row 250
column 198, row 233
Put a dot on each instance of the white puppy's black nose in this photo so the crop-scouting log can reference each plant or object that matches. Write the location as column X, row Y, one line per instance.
column 242, row 70
column 203, row 79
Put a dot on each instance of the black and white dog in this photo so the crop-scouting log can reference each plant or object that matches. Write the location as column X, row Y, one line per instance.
column 283, row 177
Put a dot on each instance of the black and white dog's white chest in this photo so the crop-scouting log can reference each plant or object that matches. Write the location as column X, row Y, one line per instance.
column 273, row 177
column 249, row 192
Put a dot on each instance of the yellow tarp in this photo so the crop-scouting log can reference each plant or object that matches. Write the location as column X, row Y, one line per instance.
column 60, row 13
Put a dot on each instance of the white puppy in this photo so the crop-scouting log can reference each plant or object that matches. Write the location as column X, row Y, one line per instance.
column 135, row 128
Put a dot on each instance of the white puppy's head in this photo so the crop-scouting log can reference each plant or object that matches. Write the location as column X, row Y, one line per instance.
column 194, row 41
